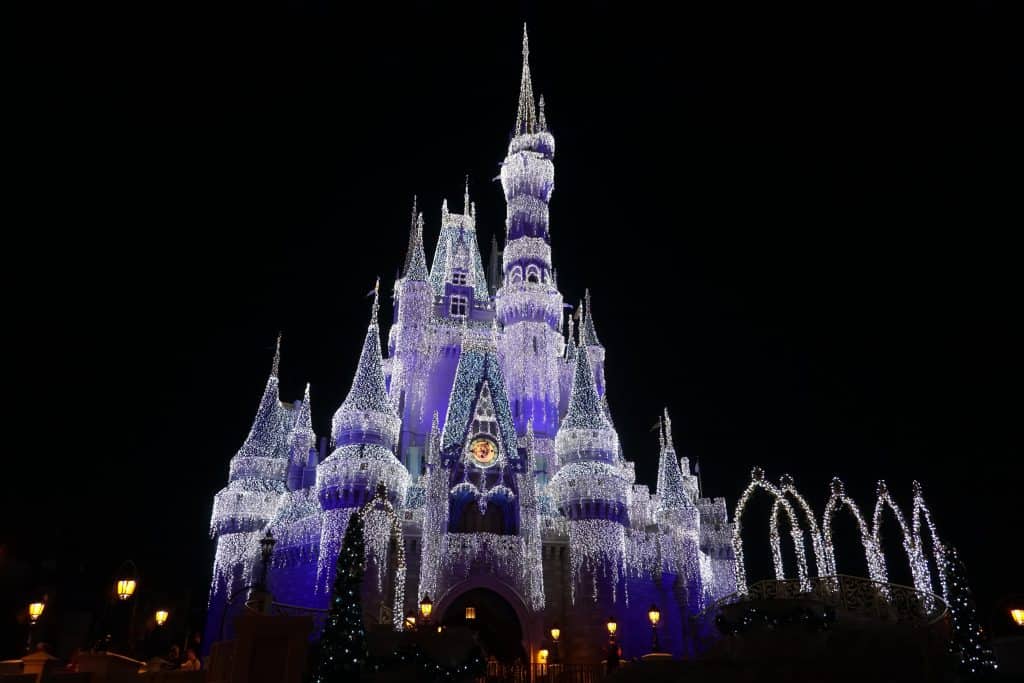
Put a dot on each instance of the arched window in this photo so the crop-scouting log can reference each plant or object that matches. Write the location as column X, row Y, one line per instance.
column 515, row 275
column 532, row 273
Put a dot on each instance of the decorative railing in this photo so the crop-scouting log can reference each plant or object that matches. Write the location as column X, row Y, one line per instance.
column 543, row 673
column 850, row 596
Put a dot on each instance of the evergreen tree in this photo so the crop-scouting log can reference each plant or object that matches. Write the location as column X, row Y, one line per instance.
column 343, row 643
column 968, row 642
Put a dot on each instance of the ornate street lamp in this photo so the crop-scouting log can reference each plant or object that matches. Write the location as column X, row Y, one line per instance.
column 426, row 607
column 556, row 633
column 126, row 588
column 612, row 626
column 35, row 610
column 161, row 617
column 1017, row 615
column 654, row 615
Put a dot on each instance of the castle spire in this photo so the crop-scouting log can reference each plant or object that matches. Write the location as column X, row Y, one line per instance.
column 570, row 347
column 276, row 365
column 415, row 258
column 526, row 116
column 542, row 122
column 368, row 392
column 589, row 333
column 584, row 410
column 671, row 489
column 467, row 209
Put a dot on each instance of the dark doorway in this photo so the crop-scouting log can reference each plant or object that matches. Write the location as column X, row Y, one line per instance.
column 496, row 624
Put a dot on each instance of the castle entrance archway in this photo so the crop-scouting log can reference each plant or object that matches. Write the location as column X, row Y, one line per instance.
column 497, row 624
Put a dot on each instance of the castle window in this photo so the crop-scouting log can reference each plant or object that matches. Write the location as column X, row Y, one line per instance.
column 458, row 278
column 515, row 275
column 532, row 274
column 459, row 307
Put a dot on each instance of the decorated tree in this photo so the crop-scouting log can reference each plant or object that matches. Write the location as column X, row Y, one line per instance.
column 968, row 641
column 343, row 643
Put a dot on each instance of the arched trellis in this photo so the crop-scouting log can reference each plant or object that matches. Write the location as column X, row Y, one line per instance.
column 918, row 564
column 788, row 487
column 872, row 554
column 921, row 512
column 381, row 527
column 758, row 481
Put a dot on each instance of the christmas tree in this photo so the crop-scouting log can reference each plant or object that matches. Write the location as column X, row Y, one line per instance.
column 968, row 641
column 343, row 643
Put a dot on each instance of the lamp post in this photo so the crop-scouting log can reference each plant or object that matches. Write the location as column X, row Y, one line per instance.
column 1017, row 614
column 35, row 610
column 612, row 626
column 654, row 615
column 124, row 587
column 471, row 613
column 556, row 633
column 426, row 607
column 161, row 617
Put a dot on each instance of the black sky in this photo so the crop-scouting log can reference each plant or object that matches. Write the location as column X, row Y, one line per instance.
column 797, row 222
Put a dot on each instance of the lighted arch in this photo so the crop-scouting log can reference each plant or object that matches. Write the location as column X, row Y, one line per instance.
column 920, row 512
column 788, row 488
column 918, row 566
column 836, row 502
column 758, row 481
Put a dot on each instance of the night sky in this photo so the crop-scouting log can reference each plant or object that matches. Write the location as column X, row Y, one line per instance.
column 796, row 224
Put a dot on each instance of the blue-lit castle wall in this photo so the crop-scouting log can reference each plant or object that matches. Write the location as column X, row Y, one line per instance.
column 486, row 420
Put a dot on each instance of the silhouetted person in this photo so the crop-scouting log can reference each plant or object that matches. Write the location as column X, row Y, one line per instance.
column 173, row 659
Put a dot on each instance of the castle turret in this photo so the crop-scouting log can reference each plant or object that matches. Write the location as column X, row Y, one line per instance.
column 528, row 304
column 407, row 339
column 675, row 506
column 302, row 446
column 256, row 484
column 259, row 469
column 365, row 430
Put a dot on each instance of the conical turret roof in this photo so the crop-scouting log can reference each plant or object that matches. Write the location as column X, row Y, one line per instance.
column 585, row 411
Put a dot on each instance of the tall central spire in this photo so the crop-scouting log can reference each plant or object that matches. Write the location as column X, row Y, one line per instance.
column 526, row 117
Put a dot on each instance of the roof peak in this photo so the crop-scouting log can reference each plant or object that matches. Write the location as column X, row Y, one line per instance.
column 526, row 116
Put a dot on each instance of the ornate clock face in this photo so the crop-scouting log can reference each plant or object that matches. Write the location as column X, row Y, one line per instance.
column 483, row 451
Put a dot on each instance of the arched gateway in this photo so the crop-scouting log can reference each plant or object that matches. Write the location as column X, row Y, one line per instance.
column 503, row 623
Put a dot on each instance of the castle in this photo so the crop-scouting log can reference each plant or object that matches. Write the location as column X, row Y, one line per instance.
column 488, row 426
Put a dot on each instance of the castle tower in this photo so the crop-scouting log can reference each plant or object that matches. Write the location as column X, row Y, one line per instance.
column 365, row 431
column 592, row 486
column 243, row 508
column 407, row 339
column 472, row 273
column 528, row 304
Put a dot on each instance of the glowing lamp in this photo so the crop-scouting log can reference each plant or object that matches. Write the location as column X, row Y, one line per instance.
column 125, row 588
column 654, row 614
column 35, row 610
column 161, row 617
column 1017, row 615
column 612, row 626
column 426, row 606
column 542, row 656
column 410, row 620
column 555, row 632
column 470, row 612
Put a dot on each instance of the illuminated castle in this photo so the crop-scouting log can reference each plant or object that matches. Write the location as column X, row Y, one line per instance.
column 488, row 425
